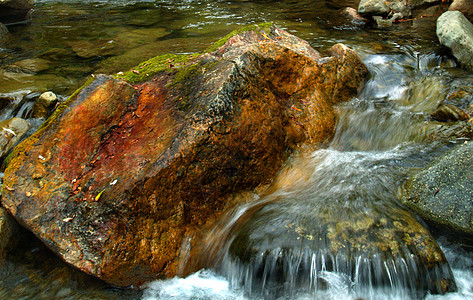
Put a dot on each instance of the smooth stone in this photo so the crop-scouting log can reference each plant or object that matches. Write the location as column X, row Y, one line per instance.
column 30, row 65
column 44, row 104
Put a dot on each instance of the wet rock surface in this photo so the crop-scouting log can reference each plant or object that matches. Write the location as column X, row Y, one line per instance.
column 124, row 171
column 442, row 193
column 456, row 32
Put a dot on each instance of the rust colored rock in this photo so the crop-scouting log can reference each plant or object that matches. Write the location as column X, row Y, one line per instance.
column 122, row 173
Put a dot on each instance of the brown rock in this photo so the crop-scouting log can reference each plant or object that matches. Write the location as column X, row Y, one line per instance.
column 15, row 10
column 464, row 6
column 122, row 173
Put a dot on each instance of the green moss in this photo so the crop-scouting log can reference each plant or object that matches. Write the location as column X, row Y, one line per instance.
column 151, row 67
column 187, row 72
column 254, row 27
column 157, row 64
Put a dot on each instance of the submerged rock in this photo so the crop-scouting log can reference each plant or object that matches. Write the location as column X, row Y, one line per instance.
column 289, row 245
column 125, row 170
column 442, row 193
column 456, row 32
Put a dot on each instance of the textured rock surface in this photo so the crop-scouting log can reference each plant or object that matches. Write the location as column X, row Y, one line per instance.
column 456, row 32
column 442, row 193
column 122, row 173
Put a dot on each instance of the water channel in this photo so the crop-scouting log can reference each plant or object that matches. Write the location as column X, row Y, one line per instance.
column 382, row 135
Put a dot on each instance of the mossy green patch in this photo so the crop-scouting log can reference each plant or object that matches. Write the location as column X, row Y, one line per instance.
column 254, row 27
column 166, row 62
column 157, row 64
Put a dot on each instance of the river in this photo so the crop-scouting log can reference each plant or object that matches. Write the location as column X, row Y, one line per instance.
column 382, row 135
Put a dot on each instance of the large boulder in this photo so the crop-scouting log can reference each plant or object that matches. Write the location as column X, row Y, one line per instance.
column 441, row 193
column 456, row 32
column 130, row 167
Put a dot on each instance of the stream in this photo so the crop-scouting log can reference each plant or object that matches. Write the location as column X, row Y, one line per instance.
column 382, row 136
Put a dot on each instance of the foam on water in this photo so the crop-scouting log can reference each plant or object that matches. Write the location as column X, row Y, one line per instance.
column 203, row 284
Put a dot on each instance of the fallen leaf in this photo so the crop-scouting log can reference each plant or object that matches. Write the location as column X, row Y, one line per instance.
column 67, row 219
column 9, row 188
column 98, row 196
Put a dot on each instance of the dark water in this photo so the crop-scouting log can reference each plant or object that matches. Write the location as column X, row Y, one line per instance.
column 382, row 135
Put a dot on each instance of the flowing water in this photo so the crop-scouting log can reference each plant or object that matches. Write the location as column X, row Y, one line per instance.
column 382, row 135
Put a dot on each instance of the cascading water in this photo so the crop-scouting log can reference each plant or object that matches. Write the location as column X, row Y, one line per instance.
column 329, row 226
column 310, row 226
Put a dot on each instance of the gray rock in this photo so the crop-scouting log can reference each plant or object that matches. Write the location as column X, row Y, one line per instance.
column 11, row 131
column 373, row 7
column 442, row 193
column 456, row 32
